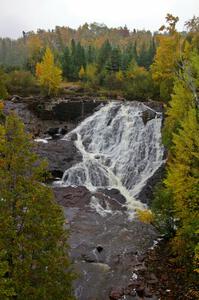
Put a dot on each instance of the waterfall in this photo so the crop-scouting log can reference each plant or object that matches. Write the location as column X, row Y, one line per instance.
column 119, row 150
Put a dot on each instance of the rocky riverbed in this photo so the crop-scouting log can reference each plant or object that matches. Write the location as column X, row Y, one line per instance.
column 108, row 247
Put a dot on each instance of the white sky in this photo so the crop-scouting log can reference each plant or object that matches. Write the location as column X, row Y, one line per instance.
column 18, row 15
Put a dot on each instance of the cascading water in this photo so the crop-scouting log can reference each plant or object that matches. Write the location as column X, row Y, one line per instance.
column 119, row 150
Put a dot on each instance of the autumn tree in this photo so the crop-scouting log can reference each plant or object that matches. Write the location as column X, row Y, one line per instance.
column 34, row 51
column 48, row 74
column 183, row 181
column 33, row 242
column 167, row 57
column 181, row 184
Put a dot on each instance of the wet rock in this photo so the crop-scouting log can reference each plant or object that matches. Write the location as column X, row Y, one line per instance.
column 57, row 174
column 114, row 194
column 72, row 196
column 140, row 290
column 147, row 116
column 146, row 193
column 86, row 142
column 34, row 124
column 89, row 257
column 147, row 293
column 52, row 131
column 57, row 131
column 141, row 258
column 73, row 137
column 116, row 293
column 133, row 293
column 60, row 154
column 152, row 279
column 102, row 267
column 99, row 248
column 105, row 200
column 135, row 284
column 97, row 157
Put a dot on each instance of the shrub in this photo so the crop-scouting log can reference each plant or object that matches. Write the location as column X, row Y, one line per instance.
column 145, row 216
column 21, row 82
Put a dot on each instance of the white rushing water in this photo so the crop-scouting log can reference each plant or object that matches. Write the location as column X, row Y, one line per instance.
column 119, row 150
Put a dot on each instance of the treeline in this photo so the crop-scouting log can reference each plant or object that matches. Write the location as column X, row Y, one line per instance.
column 95, row 55
column 15, row 53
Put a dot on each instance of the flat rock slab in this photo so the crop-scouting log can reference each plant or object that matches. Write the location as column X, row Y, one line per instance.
column 106, row 247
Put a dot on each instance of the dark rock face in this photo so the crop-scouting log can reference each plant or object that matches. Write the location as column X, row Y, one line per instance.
column 72, row 197
column 60, row 154
column 146, row 194
column 114, row 194
column 74, row 110
column 34, row 124
column 57, row 131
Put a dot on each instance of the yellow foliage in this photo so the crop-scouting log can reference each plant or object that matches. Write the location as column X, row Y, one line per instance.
column 48, row 74
column 166, row 58
column 34, row 44
column 145, row 216
column 81, row 73
column 119, row 76
column 91, row 71
column 1, row 105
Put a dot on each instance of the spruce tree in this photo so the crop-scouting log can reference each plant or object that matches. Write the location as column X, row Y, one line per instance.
column 34, row 263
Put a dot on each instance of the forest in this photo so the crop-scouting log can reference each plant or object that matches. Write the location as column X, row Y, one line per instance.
column 132, row 65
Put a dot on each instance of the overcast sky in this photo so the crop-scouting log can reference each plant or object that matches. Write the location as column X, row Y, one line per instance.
column 18, row 15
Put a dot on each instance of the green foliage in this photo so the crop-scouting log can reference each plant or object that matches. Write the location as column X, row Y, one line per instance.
column 21, row 81
column 3, row 81
column 6, row 284
column 178, row 199
column 168, row 55
column 66, row 63
column 162, row 207
column 183, row 180
column 34, row 264
column 139, row 84
column 166, row 86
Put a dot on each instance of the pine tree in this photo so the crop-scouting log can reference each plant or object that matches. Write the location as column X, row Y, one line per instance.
column 66, row 63
column 34, row 263
column 104, row 54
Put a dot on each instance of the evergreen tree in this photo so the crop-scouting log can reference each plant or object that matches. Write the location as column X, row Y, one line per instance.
column 80, row 58
column 104, row 54
column 33, row 242
column 91, row 54
column 74, row 61
column 66, row 63
column 113, row 64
